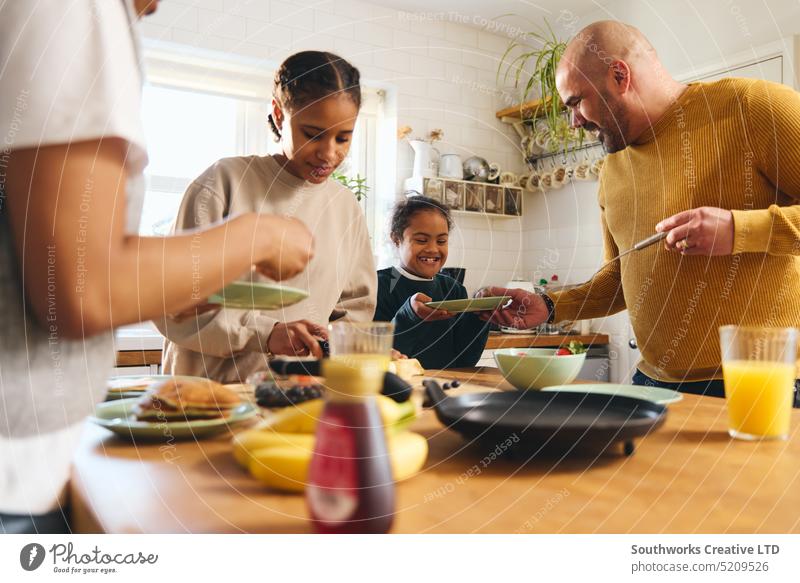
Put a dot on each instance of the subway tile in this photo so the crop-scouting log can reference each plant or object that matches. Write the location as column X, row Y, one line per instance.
column 412, row 43
column 291, row 15
column 439, row 48
column 392, row 59
column 443, row 91
column 374, row 34
column 256, row 9
column 355, row 51
column 156, row 31
column 334, row 24
column 492, row 43
column 177, row 16
column 219, row 24
column 268, row 34
column 353, row 9
column 303, row 40
column 465, row 36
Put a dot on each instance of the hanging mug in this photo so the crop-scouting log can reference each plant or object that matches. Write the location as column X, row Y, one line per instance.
column 508, row 178
column 545, row 182
column 534, row 180
column 582, row 171
column 559, row 176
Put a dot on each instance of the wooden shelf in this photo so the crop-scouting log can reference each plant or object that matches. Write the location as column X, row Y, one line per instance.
column 521, row 110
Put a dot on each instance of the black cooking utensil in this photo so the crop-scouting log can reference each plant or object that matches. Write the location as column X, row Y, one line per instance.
column 547, row 421
column 393, row 386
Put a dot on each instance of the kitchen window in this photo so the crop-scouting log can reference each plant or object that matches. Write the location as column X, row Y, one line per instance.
column 197, row 109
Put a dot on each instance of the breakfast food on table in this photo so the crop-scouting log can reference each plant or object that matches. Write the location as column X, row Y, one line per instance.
column 186, row 399
column 271, row 394
column 278, row 452
column 129, row 384
column 406, row 368
column 574, row 347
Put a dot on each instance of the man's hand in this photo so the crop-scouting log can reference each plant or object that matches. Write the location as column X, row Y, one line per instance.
column 526, row 309
column 701, row 231
column 299, row 338
column 424, row 312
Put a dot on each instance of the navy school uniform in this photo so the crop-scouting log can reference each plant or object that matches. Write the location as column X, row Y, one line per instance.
column 452, row 343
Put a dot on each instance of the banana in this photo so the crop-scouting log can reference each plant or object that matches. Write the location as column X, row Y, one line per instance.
column 303, row 418
column 284, row 465
column 246, row 442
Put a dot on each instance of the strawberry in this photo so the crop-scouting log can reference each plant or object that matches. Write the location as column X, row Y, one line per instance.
column 563, row 352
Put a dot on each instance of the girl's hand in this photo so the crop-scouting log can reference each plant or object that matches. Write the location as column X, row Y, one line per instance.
column 397, row 355
column 299, row 338
column 290, row 247
column 424, row 312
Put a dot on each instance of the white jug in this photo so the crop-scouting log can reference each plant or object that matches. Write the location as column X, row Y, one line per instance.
column 426, row 159
column 450, row 166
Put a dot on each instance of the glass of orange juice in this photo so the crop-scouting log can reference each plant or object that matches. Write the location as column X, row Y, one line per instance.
column 758, row 366
column 359, row 358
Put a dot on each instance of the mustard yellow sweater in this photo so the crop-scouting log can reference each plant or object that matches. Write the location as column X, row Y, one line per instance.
column 733, row 144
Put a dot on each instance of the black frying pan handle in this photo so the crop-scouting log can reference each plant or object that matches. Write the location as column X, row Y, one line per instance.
column 304, row 367
column 433, row 391
column 396, row 388
column 393, row 386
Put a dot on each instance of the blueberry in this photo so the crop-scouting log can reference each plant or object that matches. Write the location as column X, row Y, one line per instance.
column 455, row 384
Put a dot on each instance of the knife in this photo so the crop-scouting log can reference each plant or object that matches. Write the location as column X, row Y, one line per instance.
column 638, row 246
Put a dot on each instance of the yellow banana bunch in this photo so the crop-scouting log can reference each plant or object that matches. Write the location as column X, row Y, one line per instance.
column 303, row 418
column 278, row 452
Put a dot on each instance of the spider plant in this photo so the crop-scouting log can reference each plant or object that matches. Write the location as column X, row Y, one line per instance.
column 531, row 61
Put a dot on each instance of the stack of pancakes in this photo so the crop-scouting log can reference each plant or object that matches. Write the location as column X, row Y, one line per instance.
column 186, row 399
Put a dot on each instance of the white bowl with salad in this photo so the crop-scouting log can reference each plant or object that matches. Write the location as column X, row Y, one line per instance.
column 537, row 368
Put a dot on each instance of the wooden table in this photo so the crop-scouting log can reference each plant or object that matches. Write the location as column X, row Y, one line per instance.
column 688, row 476
column 500, row 340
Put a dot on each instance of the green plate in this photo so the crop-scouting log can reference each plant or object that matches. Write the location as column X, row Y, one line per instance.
column 117, row 416
column 247, row 295
column 653, row 394
column 470, row 304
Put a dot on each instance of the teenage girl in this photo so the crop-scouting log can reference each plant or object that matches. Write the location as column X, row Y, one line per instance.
column 420, row 230
column 72, row 265
column 314, row 109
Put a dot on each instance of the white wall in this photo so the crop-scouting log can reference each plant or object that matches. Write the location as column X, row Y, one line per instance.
column 444, row 73
column 692, row 33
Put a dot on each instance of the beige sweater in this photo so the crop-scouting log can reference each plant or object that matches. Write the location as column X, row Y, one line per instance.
column 731, row 144
column 341, row 279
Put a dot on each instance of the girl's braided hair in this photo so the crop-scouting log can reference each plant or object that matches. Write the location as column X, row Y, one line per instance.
column 310, row 76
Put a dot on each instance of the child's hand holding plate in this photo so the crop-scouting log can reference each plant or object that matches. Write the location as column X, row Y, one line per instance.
column 429, row 314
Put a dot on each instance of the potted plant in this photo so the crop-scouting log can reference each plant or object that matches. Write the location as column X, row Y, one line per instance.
column 357, row 185
column 531, row 60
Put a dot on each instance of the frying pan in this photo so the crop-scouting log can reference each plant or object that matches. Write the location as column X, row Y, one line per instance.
column 563, row 422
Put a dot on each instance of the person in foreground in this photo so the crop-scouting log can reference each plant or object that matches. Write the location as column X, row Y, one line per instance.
column 72, row 266
column 716, row 166
column 420, row 230
column 317, row 96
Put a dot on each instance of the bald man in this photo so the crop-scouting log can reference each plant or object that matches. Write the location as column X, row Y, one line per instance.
column 716, row 166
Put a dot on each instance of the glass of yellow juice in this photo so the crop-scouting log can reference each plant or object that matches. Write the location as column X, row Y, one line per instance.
column 360, row 353
column 758, row 367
